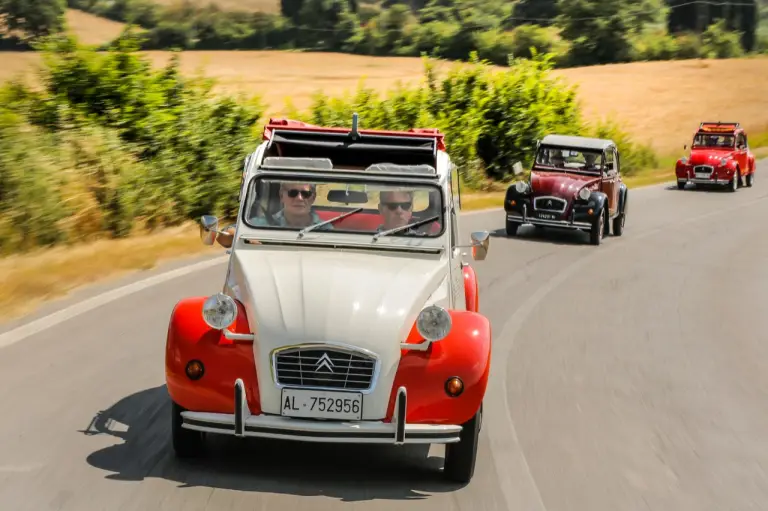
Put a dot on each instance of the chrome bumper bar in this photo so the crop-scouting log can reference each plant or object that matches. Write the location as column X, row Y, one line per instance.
column 563, row 224
column 704, row 181
column 243, row 424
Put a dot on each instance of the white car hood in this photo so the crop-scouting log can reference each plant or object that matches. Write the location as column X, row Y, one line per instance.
column 364, row 299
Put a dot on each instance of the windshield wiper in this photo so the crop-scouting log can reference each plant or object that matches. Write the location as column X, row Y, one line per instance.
column 320, row 224
column 398, row 229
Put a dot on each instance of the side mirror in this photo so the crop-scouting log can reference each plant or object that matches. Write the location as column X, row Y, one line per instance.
column 480, row 243
column 685, row 147
column 517, row 168
column 209, row 225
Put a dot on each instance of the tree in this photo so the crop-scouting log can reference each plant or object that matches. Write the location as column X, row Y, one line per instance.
column 600, row 30
column 742, row 17
column 35, row 18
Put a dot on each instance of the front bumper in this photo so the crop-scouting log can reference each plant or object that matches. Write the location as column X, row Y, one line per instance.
column 243, row 424
column 703, row 181
column 570, row 223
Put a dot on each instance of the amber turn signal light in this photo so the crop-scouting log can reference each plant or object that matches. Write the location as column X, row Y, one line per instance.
column 513, row 202
column 590, row 211
column 454, row 386
column 195, row 370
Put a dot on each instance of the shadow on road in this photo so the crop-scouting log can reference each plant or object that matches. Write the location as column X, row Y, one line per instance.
column 347, row 472
column 532, row 234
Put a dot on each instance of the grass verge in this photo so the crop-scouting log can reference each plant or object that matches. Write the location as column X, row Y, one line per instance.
column 28, row 280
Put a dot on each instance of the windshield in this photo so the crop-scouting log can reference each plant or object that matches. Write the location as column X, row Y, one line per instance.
column 344, row 206
column 569, row 159
column 713, row 141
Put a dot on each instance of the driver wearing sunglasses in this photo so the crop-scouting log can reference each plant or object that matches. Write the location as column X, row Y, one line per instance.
column 297, row 200
column 396, row 208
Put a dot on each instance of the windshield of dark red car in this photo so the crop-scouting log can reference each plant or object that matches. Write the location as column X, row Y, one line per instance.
column 569, row 159
column 709, row 140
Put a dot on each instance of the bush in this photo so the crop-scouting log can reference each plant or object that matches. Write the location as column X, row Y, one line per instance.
column 491, row 119
column 109, row 142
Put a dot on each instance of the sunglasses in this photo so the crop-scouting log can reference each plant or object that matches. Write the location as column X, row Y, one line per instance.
column 405, row 206
column 293, row 193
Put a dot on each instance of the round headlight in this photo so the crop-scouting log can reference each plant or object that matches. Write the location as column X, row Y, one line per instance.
column 219, row 311
column 433, row 323
column 683, row 160
column 521, row 186
column 584, row 194
column 723, row 161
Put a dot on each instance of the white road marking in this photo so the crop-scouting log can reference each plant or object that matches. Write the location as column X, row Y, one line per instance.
column 24, row 331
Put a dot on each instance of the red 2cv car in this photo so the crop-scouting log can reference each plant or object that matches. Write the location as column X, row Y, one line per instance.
column 719, row 155
column 575, row 184
column 347, row 314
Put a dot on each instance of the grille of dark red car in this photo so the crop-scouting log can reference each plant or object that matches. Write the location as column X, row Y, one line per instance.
column 553, row 204
column 324, row 367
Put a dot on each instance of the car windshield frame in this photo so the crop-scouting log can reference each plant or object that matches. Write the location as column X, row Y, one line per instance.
column 351, row 179
column 546, row 167
column 703, row 135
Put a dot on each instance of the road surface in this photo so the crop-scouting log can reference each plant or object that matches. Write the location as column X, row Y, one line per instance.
column 629, row 376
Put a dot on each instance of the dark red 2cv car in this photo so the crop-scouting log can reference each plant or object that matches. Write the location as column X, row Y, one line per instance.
column 719, row 155
column 575, row 184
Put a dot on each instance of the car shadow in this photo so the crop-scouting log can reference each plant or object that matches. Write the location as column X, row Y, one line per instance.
column 699, row 188
column 347, row 472
column 531, row 234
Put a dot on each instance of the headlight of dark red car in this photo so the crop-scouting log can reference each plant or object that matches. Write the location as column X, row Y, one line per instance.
column 521, row 187
column 584, row 193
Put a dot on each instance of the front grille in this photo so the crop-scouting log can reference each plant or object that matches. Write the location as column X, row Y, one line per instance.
column 553, row 204
column 324, row 367
column 703, row 169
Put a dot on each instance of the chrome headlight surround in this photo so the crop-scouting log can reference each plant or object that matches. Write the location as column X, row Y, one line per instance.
column 723, row 161
column 219, row 311
column 434, row 323
column 585, row 193
column 521, row 187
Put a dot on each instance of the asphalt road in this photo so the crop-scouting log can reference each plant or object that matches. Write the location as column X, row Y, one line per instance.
column 629, row 376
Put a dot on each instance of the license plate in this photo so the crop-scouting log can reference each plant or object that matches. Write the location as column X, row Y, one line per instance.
column 321, row 404
column 704, row 175
column 547, row 216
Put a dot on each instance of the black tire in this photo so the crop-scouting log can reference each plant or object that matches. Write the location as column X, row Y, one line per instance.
column 512, row 228
column 461, row 457
column 733, row 184
column 597, row 232
column 681, row 185
column 186, row 443
column 750, row 179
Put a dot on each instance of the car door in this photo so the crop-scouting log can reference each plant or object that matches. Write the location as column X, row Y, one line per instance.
column 741, row 152
column 610, row 185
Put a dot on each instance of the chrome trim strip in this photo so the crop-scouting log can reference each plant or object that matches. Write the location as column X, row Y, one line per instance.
column 702, row 181
column 550, row 223
column 353, row 350
column 232, row 336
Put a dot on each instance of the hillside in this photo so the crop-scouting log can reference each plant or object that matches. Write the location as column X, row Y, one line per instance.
column 91, row 29
column 656, row 102
column 271, row 6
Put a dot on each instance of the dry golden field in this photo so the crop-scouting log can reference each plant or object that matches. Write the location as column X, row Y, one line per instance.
column 657, row 102
column 271, row 6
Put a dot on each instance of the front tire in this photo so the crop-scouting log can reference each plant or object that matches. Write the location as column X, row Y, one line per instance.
column 734, row 184
column 512, row 228
column 186, row 442
column 461, row 457
column 750, row 179
column 597, row 232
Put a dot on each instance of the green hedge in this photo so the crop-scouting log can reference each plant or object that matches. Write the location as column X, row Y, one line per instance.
column 110, row 144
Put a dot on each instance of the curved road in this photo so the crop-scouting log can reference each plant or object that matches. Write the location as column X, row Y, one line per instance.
column 629, row 376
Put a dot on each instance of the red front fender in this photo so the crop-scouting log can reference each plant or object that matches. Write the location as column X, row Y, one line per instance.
column 189, row 338
column 465, row 353
column 471, row 289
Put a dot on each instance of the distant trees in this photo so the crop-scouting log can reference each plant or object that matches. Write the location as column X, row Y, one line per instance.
column 34, row 18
